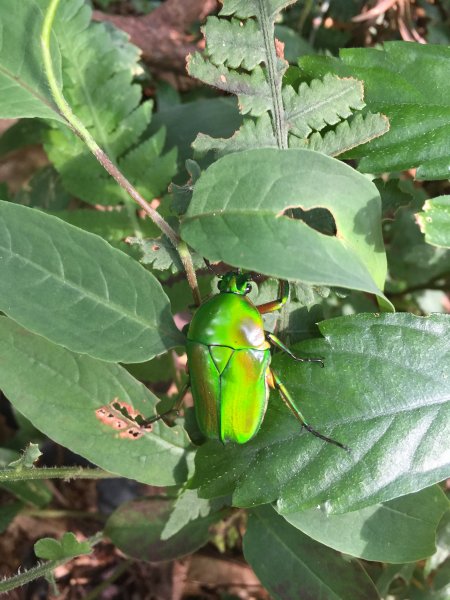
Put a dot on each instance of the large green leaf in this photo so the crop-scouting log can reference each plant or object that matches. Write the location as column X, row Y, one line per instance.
column 410, row 84
column 75, row 289
column 293, row 566
column 59, row 392
column 381, row 532
column 384, row 392
column 434, row 222
column 236, row 215
column 24, row 90
column 136, row 528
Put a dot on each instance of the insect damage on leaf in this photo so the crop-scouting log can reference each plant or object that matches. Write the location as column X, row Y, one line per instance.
column 124, row 418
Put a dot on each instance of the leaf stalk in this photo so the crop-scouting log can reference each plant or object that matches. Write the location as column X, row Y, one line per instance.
column 11, row 475
column 83, row 133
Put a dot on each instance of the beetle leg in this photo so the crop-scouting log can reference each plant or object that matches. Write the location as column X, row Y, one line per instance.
column 279, row 344
column 283, row 295
column 286, row 397
column 175, row 410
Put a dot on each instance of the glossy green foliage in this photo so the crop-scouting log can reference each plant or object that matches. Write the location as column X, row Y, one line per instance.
column 292, row 565
column 46, row 262
column 383, row 392
column 381, row 532
column 59, row 392
column 24, row 90
column 240, row 198
column 398, row 80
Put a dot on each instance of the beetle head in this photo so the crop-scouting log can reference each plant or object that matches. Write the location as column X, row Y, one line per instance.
column 235, row 283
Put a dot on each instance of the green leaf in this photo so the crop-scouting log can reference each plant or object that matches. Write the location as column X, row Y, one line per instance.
column 412, row 262
column 186, row 508
column 383, row 392
column 254, row 133
column 393, row 196
column 236, row 215
column 381, row 532
column 161, row 255
column 321, row 103
column 252, row 90
column 234, row 43
column 24, row 91
column 348, row 134
column 34, row 492
column 398, row 79
column 68, row 547
column 99, row 65
column 30, row 455
column 89, row 286
column 113, row 226
column 60, row 391
column 25, row 132
column 44, row 190
column 261, row 9
column 8, row 512
column 136, row 528
column 392, row 572
column 213, row 116
column 434, row 222
column 292, row 565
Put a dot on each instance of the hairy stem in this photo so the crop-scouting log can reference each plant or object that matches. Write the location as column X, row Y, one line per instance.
column 11, row 475
column 79, row 129
column 268, row 31
column 41, row 570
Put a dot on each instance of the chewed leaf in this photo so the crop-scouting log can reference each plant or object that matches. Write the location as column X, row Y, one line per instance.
column 238, row 211
column 122, row 417
column 59, row 392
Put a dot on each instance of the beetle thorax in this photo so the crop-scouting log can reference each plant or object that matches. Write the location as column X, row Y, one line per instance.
column 228, row 319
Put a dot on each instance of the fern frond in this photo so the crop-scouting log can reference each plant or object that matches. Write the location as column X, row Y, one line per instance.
column 348, row 134
column 234, row 43
column 321, row 103
column 252, row 134
column 99, row 65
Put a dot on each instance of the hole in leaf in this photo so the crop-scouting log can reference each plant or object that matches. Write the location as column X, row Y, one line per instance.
column 319, row 219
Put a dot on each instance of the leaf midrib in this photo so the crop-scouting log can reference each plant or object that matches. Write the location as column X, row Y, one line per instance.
column 114, row 307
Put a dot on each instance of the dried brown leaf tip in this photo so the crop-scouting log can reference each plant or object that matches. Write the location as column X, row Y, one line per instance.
column 124, row 418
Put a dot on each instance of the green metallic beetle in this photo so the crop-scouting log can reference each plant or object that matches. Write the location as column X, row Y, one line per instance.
column 229, row 363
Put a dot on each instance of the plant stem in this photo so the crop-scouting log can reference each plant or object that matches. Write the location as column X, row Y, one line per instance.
column 41, row 570
column 268, row 31
column 82, row 132
column 11, row 475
